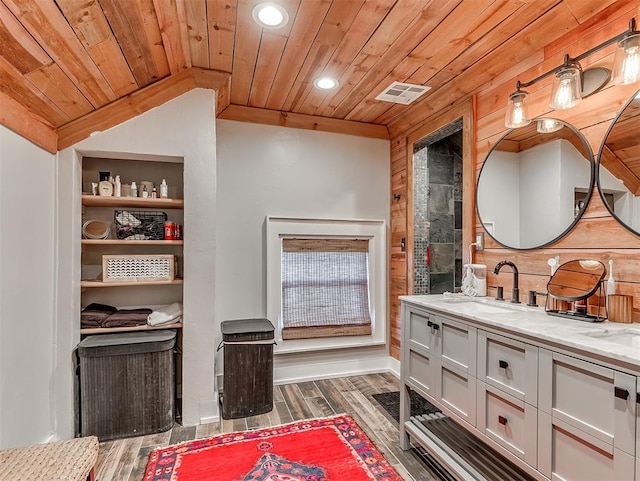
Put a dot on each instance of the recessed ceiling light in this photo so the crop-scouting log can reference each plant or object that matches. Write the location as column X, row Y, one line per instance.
column 325, row 83
column 270, row 15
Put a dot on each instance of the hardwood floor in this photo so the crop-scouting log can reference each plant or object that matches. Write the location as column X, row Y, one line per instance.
column 126, row 459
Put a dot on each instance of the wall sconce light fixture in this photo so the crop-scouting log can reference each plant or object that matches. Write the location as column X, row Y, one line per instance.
column 571, row 83
column 547, row 126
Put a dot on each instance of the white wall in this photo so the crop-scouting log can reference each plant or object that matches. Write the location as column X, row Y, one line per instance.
column 499, row 196
column 276, row 171
column 575, row 173
column 540, row 195
column 27, row 291
column 183, row 127
column 626, row 204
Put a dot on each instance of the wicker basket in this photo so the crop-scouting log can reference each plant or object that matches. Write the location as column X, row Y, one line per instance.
column 138, row 268
column 136, row 224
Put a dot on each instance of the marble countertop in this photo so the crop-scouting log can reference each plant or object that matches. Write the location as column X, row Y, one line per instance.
column 609, row 341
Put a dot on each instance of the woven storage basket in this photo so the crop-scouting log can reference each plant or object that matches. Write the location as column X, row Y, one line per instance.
column 138, row 268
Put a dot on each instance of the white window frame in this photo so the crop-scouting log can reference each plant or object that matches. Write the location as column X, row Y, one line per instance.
column 374, row 230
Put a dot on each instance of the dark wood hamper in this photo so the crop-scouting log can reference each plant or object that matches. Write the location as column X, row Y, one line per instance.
column 127, row 384
column 248, row 367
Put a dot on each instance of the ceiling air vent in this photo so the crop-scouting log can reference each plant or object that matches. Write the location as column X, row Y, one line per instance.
column 400, row 93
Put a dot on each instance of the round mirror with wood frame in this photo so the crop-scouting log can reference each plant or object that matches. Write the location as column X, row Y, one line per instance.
column 533, row 187
column 619, row 166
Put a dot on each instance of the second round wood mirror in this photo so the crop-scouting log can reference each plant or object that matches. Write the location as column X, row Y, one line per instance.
column 619, row 167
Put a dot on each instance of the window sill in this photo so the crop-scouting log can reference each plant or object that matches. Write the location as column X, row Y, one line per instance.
column 323, row 344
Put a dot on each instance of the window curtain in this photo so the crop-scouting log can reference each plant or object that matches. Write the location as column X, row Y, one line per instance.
column 325, row 288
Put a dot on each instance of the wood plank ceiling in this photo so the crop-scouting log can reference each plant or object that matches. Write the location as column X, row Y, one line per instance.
column 71, row 67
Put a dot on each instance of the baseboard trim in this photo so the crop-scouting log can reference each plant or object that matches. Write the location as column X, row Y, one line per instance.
column 287, row 373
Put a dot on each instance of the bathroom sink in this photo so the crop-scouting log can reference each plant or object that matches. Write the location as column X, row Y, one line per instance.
column 485, row 308
column 487, row 305
column 504, row 305
column 625, row 337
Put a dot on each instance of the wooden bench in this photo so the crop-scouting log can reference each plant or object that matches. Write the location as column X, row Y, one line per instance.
column 68, row 460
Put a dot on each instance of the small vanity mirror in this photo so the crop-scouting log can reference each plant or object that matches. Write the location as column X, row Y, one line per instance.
column 619, row 167
column 533, row 186
column 575, row 290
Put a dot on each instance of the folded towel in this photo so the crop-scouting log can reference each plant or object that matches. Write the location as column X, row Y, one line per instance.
column 165, row 314
column 127, row 318
column 172, row 321
column 95, row 314
column 93, row 321
column 94, row 306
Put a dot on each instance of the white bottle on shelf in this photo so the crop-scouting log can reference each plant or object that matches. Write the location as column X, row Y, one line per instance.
column 117, row 191
column 134, row 189
column 164, row 189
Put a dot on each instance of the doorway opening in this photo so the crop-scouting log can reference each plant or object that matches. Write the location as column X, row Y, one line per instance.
column 438, row 210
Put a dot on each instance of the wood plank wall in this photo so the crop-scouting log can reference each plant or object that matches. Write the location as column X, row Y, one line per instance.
column 597, row 235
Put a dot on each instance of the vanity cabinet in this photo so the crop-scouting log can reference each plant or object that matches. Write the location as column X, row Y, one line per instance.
column 556, row 414
column 587, row 417
column 440, row 361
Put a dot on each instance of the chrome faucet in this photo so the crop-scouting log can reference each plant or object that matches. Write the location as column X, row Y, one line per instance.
column 515, row 295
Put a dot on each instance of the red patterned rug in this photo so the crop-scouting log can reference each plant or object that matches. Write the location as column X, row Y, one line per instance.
column 332, row 449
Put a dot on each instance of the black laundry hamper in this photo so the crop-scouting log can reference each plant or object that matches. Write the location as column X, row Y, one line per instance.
column 248, row 367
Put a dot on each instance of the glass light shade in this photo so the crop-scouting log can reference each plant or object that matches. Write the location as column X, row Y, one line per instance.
column 517, row 112
column 567, row 89
column 547, row 126
column 626, row 64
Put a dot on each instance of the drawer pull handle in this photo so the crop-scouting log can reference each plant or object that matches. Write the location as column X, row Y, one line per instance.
column 503, row 364
column 502, row 420
column 429, row 324
column 436, row 326
column 621, row 393
column 638, row 397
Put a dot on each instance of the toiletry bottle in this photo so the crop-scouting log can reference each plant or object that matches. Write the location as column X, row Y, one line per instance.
column 611, row 282
column 154, row 193
column 117, row 191
column 164, row 189
column 105, row 188
column 134, row 189
column 145, row 192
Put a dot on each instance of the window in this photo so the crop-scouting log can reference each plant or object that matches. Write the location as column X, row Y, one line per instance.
column 361, row 247
column 325, row 288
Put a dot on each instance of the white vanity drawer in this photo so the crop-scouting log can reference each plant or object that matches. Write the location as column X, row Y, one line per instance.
column 422, row 336
column 458, row 344
column 509, row 365
column 457, row 393
column 508, row 421
column 420, row 372
column 569, row 454
column 596, row 400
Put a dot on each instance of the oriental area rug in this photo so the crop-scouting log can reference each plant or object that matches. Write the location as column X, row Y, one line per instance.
column 328, row 449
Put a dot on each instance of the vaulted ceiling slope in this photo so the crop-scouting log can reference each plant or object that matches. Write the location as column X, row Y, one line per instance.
column 72, row 67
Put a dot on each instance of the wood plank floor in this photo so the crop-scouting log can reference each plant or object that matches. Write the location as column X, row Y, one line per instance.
column 126, row 459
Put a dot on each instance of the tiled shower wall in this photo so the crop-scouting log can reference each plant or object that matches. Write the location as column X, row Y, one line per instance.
column 437, row 177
